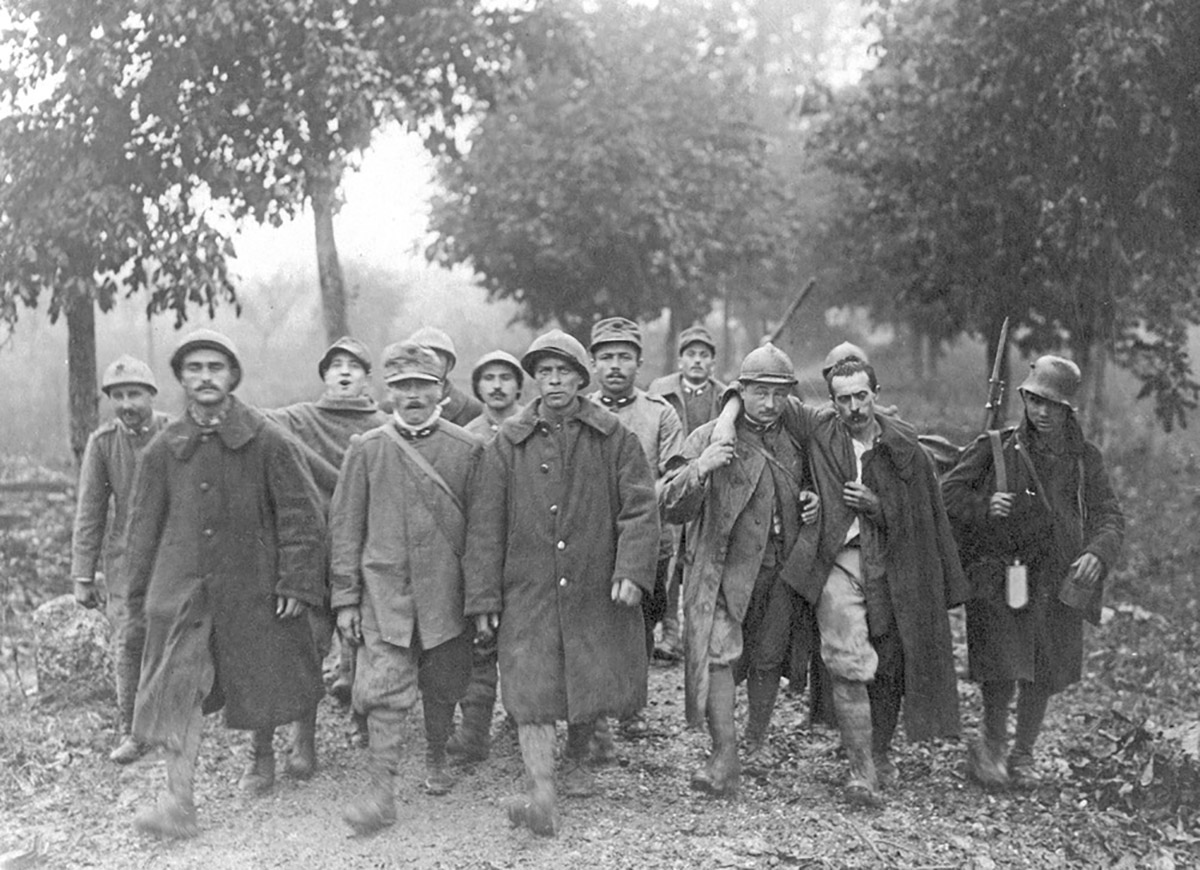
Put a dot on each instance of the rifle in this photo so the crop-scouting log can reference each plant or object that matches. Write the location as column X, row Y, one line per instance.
column 995, row 397
column 791, row 310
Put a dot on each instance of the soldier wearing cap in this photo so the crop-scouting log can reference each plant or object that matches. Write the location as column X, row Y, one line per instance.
column 225, row 548
column 616, row 348
column 1036, row 494
column 105, row 479
column 345, row 409
column 563, row 540
column 457, row 407
column 880, row 568
column 398, row 527
column 497, row 380
column 745, row 510
column 696, row 397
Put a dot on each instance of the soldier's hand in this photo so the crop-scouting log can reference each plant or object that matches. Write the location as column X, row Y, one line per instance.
column 1000, row 505
column 715, row 456
column 626, row 592
column 349, row 623
column 860, row 498
column 86, row 593
column 288, row 608
column 810, row 506
column 1087, row 568
column 485, row 626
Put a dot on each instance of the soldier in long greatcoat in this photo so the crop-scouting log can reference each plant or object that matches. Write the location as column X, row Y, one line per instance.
column 225, row 549
column 563, row 538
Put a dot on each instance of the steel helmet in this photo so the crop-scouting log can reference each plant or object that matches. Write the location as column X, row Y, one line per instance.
column 1054, row 378
column 438, row 340
column 496, row 356
column 349, row 345
column 845, row 350
column 126, row 369
column 557, row 343
column 212, row 340
column 767, row 365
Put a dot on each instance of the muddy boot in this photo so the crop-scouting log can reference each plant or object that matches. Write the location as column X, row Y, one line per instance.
column 128, row 669
column 577, row 777
column 853, row 707
column 1031, row 712
column 761, row 690
column 174, row 817
column 129, row 750
column 302, row 758
column 985, row 755
column 259, row 775
column 375, row 809
column 670, row 648
column 471, row 742
column 721, row 774
column 885, row 700
column 603, row 748
column 536, row 810
column 438, row 717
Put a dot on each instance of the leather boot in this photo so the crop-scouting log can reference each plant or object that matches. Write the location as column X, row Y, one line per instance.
column 885, row 697
column 604, row 748
column 471, row 742
column 128, row 670
column 302, row 759
column 985, row 755
column 578, row 779
column 762, row 687
column 259, row 775
column 438, row 717
column 1032, row 702
column 721, row 774
column 853, row 706
column 536, row 810
column 174, row 817
column 375, row 809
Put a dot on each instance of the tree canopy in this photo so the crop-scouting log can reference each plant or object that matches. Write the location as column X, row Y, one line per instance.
column 631, row 183
column 1035, row 159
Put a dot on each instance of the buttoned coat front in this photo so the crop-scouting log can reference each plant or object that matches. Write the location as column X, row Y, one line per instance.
column 398, row 537
column 558, row 513
column 220, row 524
column 725, row 547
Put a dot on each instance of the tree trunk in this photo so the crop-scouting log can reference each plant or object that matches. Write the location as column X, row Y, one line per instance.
column 323, row 190
column 82, row 397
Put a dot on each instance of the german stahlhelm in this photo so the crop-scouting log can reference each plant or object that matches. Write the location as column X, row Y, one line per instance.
column 126, row 369
column 1053, row 378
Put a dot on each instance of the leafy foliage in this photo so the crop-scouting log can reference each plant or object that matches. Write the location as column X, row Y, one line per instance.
column 634, row 182
column 1038, row 159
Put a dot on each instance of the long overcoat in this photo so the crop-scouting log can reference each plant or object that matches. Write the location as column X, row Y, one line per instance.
column 558, row 512
column 1080, row 514
column 220, row 524
column 727, row 535
column 911, row 566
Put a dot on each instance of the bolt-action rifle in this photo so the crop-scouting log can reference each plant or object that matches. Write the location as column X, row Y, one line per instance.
column 996, row 385
column 791, row 311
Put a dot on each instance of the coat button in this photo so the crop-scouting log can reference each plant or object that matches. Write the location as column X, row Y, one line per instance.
column 562, row 582
column 553, row 508
column 562, row 545
column 208, row 533
column 545, row 468
column 204, row 487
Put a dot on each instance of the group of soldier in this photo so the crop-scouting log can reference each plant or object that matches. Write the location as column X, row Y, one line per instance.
column 462, row 548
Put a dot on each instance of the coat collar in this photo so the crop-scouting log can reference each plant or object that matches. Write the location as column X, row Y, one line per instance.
column 357, row 405
column 517, row 429
column 899, row 440
column 239, row 428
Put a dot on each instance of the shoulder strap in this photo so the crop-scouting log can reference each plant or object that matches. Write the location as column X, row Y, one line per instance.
column 422, row 463
column 998, row 460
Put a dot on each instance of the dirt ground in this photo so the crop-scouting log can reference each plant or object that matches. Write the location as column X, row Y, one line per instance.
column 65, row 805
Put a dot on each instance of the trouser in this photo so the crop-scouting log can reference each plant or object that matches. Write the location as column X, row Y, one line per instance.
column 485, row 675
column 1032, row 701
column 128, row 642
column 846, row 646
column 654, row 605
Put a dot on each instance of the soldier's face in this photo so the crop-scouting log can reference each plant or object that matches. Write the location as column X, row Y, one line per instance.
column 1046, row 416
column 696, row 362
column 616, row 364
column 133, row 404
column 854, row 401
column 415, row 399
column 763, row 403
column 346, row 377
column 558, row 382
column 498, row 386
column 206, row 376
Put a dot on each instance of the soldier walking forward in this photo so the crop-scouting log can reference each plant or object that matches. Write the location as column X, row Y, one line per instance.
column 563, row 540
column 398, row 526
column 225, row 550
column 105, row 480
column 1032, row 503
column 746, row 508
